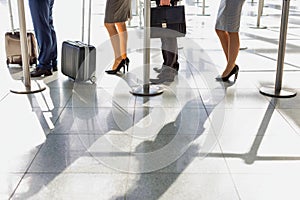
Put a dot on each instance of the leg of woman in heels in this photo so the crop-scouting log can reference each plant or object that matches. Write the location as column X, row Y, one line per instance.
column 227, row 29
column 116, row 14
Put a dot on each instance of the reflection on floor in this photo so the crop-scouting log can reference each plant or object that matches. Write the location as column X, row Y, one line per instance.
column 200, row 139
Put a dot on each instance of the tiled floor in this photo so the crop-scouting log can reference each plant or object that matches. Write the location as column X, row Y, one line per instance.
column 200, row 139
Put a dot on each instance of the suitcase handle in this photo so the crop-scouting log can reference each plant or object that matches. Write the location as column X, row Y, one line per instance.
column 89, row 21
column 11, row 17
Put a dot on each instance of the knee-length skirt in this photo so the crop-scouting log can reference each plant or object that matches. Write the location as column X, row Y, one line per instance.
column 229, row 15
column 117, row 11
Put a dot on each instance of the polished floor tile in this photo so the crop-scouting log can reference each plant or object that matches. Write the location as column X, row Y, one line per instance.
column 200, row 139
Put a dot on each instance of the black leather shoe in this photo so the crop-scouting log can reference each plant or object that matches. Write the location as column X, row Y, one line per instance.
column 158, row 70
column 40, row 72
column 54, row 65
column 166, row 75
column 161, row 80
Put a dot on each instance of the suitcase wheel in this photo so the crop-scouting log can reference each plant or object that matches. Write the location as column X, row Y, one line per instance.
column 93, row 79
column 7, row 62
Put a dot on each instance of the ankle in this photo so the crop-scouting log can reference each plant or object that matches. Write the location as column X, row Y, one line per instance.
column 124, row 56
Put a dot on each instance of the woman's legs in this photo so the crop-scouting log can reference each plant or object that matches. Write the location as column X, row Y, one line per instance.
column 230, row 42
column 123, row 35
column 115, row 41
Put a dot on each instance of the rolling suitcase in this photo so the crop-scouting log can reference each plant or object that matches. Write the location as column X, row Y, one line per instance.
column 13, row 45
column 78, row 59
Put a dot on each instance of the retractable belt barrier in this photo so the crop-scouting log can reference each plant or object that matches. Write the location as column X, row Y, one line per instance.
column 278, row 91
column 29, row 87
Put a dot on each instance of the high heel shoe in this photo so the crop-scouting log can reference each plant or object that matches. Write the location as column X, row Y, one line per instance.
column 126, row 61
column 120, row 66
column 234, row 71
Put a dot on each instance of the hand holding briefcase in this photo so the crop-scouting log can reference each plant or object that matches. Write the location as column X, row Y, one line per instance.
column 167, row 21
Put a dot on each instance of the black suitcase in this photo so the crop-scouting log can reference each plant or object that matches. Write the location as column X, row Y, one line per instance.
column 78, row 59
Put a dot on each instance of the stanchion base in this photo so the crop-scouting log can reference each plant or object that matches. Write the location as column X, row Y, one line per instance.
column 151, row 90
column 243, row 48
column 20, row 88
column 270, row 91
column 131, row 26
column 203, row 15
column 259, row 27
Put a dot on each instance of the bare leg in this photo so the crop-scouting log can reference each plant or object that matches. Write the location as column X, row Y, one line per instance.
column 123, row 35
column 233, row 51
column 224, row 39
column 230, row 42
column 115, row 41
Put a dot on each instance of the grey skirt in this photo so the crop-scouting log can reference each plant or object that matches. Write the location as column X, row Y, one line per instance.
column 117, row 11
column 229, row 15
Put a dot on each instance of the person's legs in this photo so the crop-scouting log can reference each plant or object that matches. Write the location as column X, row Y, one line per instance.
column 233, row 50
column 123, row 35
column 54, row 39
column 40, row 17
column 224, row 39
column 169, row 51
column 230, row 42
column 115, row 41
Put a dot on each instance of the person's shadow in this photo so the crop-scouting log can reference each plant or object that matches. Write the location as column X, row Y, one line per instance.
column 183, row 133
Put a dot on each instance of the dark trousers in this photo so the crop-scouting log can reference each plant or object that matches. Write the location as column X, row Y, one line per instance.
column 41, row 13
column 169, row 51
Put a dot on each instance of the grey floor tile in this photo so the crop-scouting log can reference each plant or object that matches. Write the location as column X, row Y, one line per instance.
column 181, row 186
column 8, row 183
column 72, row 186
column 267, row 186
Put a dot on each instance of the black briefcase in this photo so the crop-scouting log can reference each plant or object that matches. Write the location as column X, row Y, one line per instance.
column 167, row 21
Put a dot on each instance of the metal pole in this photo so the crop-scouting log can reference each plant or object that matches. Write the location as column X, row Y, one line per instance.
column 259, row 14
column 147, row 42
column 24, row 45
column 260, row 11
column 282, row 44
column 147, row 89
column 24, row 51
column 203, row 9
column 278, row 92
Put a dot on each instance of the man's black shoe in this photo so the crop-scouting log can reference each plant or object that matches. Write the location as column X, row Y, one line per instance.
column 40, row 72
column 54, row 65
column 175, row 67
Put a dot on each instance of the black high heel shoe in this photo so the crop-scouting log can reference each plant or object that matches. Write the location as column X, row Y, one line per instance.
column 120, row 66
column 234, row 71
column 126, row 61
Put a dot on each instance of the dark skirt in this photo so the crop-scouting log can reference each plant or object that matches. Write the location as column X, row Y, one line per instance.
column 117, row 11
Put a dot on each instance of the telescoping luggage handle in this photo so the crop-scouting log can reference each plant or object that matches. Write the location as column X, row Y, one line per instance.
column 89, row 21
column 87, row 48
column 11, row 17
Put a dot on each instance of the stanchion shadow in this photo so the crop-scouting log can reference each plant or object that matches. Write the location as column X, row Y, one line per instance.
column 252, row 156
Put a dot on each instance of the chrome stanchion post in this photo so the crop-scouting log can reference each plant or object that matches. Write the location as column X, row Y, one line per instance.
column 129, row 25
column 203, row 9
column 147, row 89
column 277, row 91
column 259, row 14
column 24, row 50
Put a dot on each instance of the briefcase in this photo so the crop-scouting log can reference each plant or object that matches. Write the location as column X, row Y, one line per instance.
column 167, row 21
